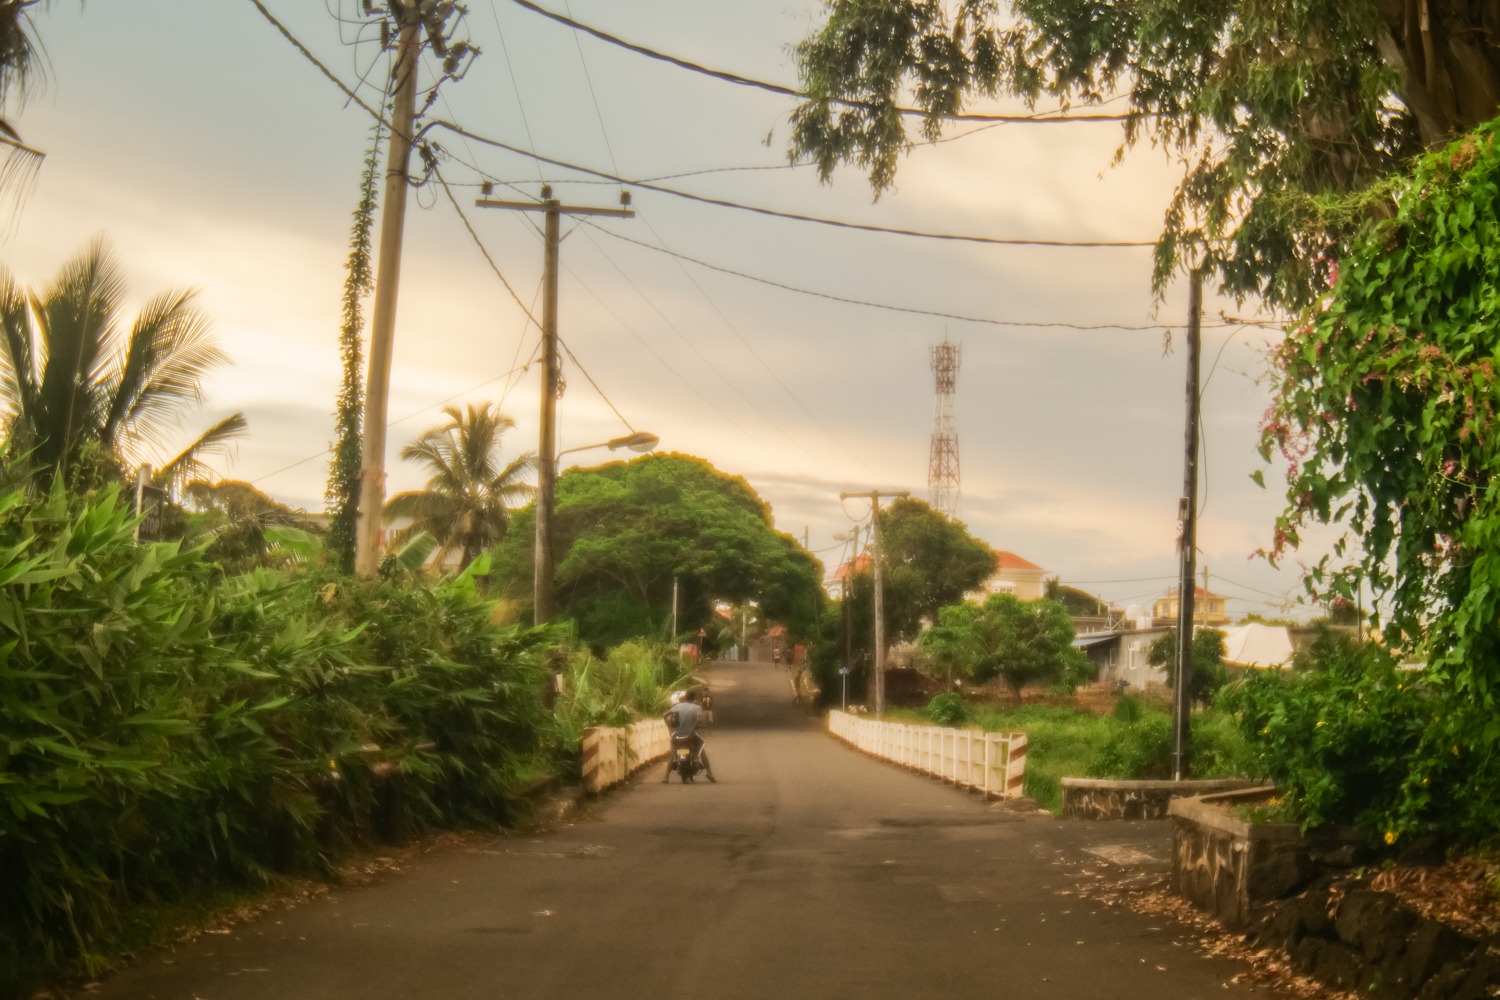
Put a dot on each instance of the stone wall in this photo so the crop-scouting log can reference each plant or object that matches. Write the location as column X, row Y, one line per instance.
column 1104, row 798
column 1298, row 894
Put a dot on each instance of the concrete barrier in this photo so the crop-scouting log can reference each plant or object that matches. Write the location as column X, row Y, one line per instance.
column 992, row 764
column 612, row 755
column 1106, row 798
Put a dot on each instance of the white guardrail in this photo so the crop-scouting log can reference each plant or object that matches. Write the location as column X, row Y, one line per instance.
column 612, row 755
column 993, row 764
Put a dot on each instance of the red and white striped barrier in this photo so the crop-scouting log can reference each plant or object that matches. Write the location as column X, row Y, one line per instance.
column 993, row 764
column 612, row 755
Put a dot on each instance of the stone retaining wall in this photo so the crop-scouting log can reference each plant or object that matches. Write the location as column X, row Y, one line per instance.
column 1104, row 798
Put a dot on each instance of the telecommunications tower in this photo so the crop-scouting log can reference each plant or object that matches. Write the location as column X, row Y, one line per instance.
column 942, row 466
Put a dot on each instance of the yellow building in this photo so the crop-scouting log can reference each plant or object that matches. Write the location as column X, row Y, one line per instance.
column 1208, row 607
column 1013, row 575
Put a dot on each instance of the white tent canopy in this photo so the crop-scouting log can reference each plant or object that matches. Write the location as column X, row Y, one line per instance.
column 1258, row 646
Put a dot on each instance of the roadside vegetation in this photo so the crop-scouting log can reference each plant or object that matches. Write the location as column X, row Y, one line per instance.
column 1134, row 743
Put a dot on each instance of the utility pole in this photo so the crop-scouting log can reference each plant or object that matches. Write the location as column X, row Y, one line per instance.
column 875, row 496
column 674, row 607
column 387, row 280
column 1182, row 703
column 546, row 478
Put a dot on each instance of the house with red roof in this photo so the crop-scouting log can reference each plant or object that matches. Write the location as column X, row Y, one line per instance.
column 1013, row 575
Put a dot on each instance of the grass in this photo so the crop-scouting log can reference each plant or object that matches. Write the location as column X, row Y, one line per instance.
column 1065, row 742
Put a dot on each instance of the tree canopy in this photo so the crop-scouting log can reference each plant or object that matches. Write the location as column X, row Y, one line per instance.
column 1208, row 661
column 1024, row 642
column 930, row 561
column 1287, row 115
column 1384, row 413
column 76, row 385
column 625, row 529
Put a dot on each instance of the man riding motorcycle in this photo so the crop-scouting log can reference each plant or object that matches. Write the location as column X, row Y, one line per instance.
column 682, row 718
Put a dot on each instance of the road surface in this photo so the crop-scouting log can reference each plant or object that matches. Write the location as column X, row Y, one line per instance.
column 808, row 871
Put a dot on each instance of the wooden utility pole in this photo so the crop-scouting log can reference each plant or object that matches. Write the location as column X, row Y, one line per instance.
column 546, row 479
column 387, row 280
column 875, row 496
column 1182, row 702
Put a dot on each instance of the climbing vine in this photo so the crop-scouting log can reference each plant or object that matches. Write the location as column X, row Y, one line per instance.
column 1385, row 417
column 342, row 496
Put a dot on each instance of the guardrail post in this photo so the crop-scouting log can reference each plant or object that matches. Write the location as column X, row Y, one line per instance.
column 1015, row 766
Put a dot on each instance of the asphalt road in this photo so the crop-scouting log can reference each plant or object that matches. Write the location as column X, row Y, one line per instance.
column 808, row 871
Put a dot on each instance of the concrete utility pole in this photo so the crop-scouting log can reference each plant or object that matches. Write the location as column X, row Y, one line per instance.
column 1182, row 702
column 875, row 496
column 674, row 608
column 387, row 279
column 547, row 444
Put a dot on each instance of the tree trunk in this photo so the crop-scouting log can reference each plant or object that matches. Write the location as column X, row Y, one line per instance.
column 1449, row 61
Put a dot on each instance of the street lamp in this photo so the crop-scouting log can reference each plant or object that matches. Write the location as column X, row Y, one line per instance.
column 639, row 441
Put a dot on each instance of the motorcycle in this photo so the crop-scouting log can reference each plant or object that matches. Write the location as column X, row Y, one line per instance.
column 684, row 760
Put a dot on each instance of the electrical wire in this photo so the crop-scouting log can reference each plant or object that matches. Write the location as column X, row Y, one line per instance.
column 750, row 347
column 711, row 366
column 718, row 202
column 398, row 420
column 680, row 377
column 514, row 86
column 600, row 391
column 598, row 112
column 793, row 216
column 880, row 305
column 776, row 88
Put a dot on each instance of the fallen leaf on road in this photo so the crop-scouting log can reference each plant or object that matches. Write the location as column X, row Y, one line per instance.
column 542, row 913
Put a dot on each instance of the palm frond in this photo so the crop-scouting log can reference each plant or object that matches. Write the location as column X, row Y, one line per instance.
column 214, row 441
column 157, row 370
column 18, row 386
column 75, row 315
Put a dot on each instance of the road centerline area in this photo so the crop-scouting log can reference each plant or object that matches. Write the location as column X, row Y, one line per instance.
column 808, row 871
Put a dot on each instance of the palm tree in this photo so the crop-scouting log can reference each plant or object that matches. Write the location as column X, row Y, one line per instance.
column 466, row 505
column 73, row 379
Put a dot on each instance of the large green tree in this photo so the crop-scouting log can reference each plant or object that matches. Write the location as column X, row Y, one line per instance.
column 1287, row 114
column 77, row 385
column 929, row 560
column 623, row 532
column 1207, row 654
column 1023, row 642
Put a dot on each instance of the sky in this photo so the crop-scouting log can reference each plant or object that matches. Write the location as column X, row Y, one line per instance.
column 211, row 154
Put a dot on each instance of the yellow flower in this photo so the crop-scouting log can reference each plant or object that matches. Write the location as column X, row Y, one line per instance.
column 333, row 765
column 1320, row 722
column 1264, row 731
column 1390, row 836
column 1455, row 750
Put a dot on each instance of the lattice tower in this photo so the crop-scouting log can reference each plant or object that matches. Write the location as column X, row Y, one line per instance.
column 942, row 466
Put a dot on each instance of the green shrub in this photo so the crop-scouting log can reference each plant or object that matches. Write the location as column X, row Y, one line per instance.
column 164, row 730
column 947, row 709
column 1353, row 740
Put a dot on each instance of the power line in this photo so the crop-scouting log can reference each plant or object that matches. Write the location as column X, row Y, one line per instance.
column 751, row 348
column 680, row 377
column 490, row 260
column 794, row 216
column 776, row 88
column 903, row 309
column 719, row 202
column 600, row 391
column 325, row 451
column 712, row 367
column 598, row 112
